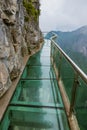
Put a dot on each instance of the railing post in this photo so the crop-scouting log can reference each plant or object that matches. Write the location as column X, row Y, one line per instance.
column 51, row 52
column 73, row 97
column 59, row 66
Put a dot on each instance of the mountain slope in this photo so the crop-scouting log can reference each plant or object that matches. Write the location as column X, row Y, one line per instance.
column 74, row 44
column 75, row 40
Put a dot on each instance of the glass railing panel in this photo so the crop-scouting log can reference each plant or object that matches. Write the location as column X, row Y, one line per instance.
column 81, row 98
column 81, row 115
column 74, row 82
column 81, row 104
column 68, row 84
column 64, row 69
column 62, row 65
column 55, row 55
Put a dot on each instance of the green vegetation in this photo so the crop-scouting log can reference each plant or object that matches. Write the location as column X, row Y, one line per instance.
column 31, row 10
column 26, row 18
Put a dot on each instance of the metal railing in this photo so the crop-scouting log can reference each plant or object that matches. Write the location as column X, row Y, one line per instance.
column 76, row 68
column 78, row 78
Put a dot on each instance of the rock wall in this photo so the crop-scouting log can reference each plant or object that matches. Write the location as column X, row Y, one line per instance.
column 19, row 35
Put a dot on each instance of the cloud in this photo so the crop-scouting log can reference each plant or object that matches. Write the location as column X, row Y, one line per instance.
column 63, row 14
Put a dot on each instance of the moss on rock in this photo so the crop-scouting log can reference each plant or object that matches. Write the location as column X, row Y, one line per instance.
column 31, row 10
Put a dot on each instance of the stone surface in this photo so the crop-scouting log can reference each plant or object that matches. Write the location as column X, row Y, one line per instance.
column 19, row 35
column 5, row 81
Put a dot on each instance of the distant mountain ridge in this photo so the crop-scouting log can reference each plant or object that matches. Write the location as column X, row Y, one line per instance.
column 74, row 43
column 75, row 40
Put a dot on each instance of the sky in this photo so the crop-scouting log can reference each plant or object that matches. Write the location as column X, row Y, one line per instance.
column 63, row 15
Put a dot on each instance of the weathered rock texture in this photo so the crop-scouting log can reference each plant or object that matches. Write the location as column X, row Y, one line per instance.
column 19, row 35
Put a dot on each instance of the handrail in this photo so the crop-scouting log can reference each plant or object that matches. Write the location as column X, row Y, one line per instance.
column 69, row 104
column 76, row 68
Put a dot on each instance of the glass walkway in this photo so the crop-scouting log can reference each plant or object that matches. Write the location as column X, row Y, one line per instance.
column 36, row 103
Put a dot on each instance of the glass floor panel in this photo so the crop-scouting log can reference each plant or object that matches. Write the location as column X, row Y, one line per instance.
column 45, row 53
column 44, row 61
column 37, row 92
column 37, row 72
column 23, row 118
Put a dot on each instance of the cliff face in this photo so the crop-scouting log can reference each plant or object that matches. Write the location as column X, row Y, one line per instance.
column 19, row 35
